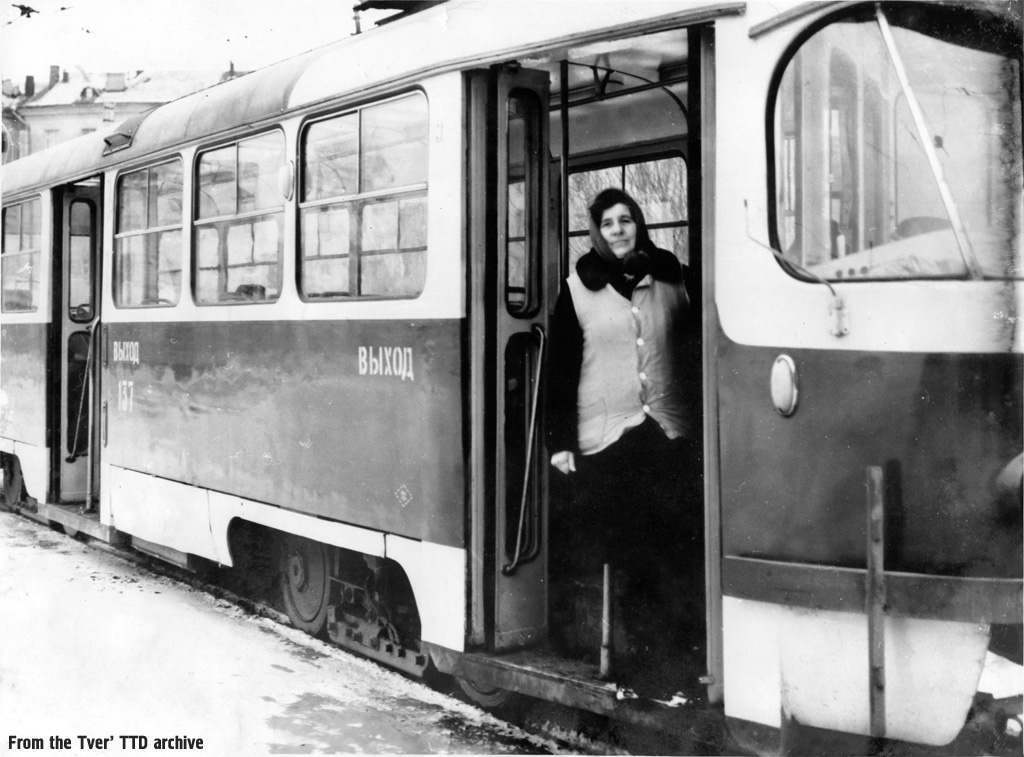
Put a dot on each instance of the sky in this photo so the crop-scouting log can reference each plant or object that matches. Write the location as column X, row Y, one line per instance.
column 102, row 36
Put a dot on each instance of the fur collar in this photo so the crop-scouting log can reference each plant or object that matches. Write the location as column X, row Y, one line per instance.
column 595, row 272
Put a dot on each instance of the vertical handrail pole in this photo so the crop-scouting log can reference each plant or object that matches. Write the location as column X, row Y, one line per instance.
column 563, row 252
column 874, row 599
column 510, row 568
column 91, row 426
column 606, row 623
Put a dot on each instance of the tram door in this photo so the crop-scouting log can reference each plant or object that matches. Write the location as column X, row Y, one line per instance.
column 76, row 317
column 513, row 280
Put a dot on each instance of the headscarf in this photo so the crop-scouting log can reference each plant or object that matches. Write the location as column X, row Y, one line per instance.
column 636, row 262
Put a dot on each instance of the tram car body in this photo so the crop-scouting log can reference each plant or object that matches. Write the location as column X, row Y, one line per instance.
column 310, row 304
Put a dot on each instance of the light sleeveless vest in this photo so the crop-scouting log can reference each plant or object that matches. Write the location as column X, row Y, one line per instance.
column 628, row 369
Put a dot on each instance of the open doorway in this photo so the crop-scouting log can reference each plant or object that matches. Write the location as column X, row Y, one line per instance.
column 77, row 223
column 621, row 119
column 620, row 114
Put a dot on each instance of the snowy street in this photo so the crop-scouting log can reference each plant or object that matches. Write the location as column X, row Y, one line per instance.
column 95, row 650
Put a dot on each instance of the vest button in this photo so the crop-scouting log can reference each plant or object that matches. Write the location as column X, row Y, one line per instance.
column 647, row 408
column 636, row 309
column 643, row 376
column 640, row 341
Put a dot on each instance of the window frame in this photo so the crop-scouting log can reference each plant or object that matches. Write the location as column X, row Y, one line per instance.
column 196, row 223
column 120, row 235
column 36, row 282
column 356, row 202
column 93, row 261
column 621, row 160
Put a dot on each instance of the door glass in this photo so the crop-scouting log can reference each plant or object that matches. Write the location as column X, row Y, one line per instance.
column 78, row 407
column 80, row 289
column 522, row 230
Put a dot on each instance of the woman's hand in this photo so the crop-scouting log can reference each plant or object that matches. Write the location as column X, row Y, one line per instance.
column 565, row 461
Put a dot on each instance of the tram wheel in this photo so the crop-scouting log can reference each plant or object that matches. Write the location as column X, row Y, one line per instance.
column 305, row 583
column 487, row 697
column 14, row 484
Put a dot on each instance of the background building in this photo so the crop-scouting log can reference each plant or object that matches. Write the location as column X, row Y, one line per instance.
column 77, row 102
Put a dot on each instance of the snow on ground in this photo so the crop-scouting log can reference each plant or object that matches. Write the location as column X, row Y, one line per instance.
column 91, row 644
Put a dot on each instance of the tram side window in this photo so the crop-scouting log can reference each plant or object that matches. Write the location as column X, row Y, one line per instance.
column 659, row 187
column 364, row 202
column 239, row 231
column 148, row 243
column 22, row 245
column 859, row 180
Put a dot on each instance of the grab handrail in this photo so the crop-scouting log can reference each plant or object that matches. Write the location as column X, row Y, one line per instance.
column 518, row 557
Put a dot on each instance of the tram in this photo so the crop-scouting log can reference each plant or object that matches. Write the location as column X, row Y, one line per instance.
column 301, row 316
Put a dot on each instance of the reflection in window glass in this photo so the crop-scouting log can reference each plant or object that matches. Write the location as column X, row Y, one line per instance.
column 658, row 186
column 133, row 204
column 20, row 257
column 412, row 223
column 516, row 273
column 332, row 158
column 148, row 244
column 325, row 245
column 165, row 195
column 855, row 195
column 168, row 255
column 239, row 260
column 363, row 220
column 148, row 269
column 239, row 235
column 259, row 165
column 393, row 275
column 217, row 183
column 12, row 229
column 380, row 226
column 393, row 144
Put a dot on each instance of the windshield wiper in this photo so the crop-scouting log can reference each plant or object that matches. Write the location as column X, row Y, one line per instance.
column 959, row 232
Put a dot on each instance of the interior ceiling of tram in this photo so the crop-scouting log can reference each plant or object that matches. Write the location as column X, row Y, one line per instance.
column 597, row 72
column 632, row 61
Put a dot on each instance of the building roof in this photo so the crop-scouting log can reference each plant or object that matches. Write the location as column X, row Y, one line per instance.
column 144, row 87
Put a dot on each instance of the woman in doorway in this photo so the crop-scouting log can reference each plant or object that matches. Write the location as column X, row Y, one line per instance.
column 618, row 423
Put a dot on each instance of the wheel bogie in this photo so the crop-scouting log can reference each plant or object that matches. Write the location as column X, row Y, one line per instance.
column 305, row 583
column 13, row 482
column 487, row 697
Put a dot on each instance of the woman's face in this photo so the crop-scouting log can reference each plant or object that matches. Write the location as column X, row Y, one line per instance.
column 619, row 229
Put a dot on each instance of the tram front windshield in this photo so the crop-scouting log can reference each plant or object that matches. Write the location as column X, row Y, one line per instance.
column 898, row 147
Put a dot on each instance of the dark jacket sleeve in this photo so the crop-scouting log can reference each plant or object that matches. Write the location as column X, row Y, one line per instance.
column 565, row 357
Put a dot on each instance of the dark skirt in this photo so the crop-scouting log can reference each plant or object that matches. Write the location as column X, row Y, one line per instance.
column 637, row 504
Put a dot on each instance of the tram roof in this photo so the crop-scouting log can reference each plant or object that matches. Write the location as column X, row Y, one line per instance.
column 451, row 36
